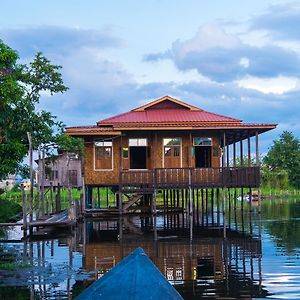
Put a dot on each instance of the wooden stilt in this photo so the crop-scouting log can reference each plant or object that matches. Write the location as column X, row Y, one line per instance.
column 202, row 207
column 107, row 198
column 52, row 197
column 212, row 206
column 218, row 206
column 206, row 206
column 258, row 164
column 229, row 207
column 235, row 198
column 197, row 205
column 154, row 202
column 120, row 203
column 164, row 199
column 98, row 197
column 58, row 199
column 242, row 201
column 250, row 200
column 224, row 214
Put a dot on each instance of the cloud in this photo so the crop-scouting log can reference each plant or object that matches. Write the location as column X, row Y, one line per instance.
column 280, row 22
column 102, row 86
column 223, row 58
column 56, row 39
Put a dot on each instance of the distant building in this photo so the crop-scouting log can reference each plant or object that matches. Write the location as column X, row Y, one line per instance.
column 63, row 169
column 8, row 183
column 26, row 183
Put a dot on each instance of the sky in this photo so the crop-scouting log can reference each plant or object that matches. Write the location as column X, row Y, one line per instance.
column 236, row 58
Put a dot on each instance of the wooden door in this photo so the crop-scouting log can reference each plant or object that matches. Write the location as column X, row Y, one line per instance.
column 172, row 156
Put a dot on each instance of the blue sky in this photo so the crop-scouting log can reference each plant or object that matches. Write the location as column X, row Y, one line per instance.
column 238, row 58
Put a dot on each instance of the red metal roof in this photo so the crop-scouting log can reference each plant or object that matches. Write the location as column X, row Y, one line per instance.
column 177, row 112
column 165, row 113
column 167, row 116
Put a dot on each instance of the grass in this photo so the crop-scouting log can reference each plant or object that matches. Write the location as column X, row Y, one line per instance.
column 270, row 191
column 14, row 266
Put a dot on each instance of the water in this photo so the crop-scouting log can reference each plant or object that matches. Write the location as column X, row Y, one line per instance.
column 257, row 256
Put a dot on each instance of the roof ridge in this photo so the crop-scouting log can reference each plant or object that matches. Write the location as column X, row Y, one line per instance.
column 164, row 98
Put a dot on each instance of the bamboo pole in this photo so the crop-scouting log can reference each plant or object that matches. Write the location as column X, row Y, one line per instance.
column 31, row 176
column 58, row 199
column 24, row 210
column 241, row 152
column 52, row 196
column 43, row 183
column 257, row 164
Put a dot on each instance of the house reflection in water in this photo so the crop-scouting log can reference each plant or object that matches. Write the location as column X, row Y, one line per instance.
column 209, row 266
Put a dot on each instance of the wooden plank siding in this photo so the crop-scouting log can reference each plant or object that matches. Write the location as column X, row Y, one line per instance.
column 154, row 160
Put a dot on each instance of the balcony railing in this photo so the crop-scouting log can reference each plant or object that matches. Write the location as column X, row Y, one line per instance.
column 148, row 180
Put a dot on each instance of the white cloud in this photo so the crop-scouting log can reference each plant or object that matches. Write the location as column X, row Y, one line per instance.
column 209, row 36
column 277, row 85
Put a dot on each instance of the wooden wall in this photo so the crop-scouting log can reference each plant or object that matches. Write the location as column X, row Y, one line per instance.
column 154, row 155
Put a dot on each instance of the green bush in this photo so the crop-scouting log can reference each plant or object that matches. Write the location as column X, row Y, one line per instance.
column 9, row 210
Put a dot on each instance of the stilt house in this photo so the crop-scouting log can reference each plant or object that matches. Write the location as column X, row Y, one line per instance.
column 169, row 144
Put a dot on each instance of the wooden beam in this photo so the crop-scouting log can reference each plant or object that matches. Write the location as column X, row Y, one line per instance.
column 227, row 155
column 234, row 154
column 224, row 149
column 190, row 150
column 241, row 152
column 249, row 150
column 256, row 148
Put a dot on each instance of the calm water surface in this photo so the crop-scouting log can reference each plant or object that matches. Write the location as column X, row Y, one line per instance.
column 256, row 256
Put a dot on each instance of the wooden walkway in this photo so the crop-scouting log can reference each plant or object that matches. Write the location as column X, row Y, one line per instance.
column 56, row 220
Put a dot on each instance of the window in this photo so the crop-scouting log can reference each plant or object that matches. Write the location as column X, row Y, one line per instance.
column 167, row 151
column 54, row 175
column 172, row 142
column 51, row 174
column 125, row 152
column 202, row 141
column 176, row 150
column 137, row 142
column 72, row 177
column 103, row 155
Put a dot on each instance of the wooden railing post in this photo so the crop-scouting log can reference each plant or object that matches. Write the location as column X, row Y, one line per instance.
column 52, row 197
column 154, row 192
column 24, row 210
column 58, row 199
column 190, row 191
column 120, row 192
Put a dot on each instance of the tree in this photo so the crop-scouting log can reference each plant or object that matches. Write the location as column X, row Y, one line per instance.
column 284, row 155
column 20, row 90
column 12, row 140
